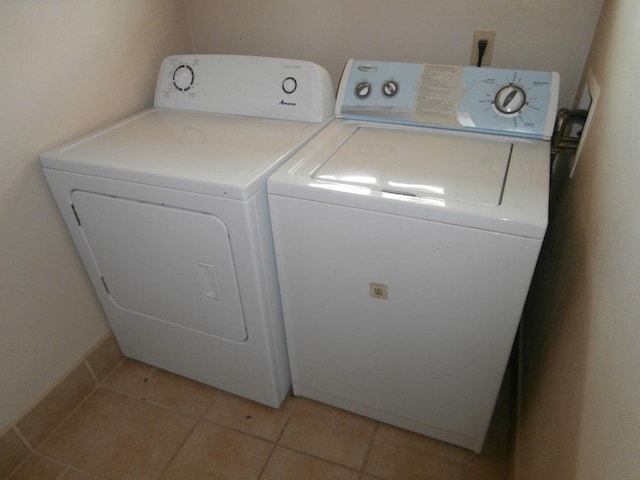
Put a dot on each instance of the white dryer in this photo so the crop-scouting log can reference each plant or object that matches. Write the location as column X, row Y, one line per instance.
column 406, row 236
column 168, row 210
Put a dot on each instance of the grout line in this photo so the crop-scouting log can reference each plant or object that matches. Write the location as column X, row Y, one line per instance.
column 35, row 454
column 117, row 365
column 84, row 473
column 276, row 443
column 66, row 418
column 27, row 444
column 369, row 448
column 214, row 398
column 236, row 430
column 89, row 441
column 308, row 454
column 137, row 388
column 23, row 438
column 65, row 470
column 266, row 462
column 173, row 456
column 325, row 460
column 296, row 401
column 91, row 372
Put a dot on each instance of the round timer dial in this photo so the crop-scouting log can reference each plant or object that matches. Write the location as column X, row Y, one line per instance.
column 289, row 85
column 510, row 99
column 183, row 78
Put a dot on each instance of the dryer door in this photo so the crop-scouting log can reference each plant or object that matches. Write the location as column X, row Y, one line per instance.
column 167, row 263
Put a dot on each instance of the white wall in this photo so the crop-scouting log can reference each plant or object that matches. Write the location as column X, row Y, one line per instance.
column 68, row 67
column 581, row 415
column 537, row 35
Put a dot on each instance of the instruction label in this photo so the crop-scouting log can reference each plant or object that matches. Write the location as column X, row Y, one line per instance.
column 438, row 94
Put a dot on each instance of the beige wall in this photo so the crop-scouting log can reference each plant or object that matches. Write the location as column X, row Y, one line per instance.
column 581, row 415
column 72, row 66
column 68, row 67
column 537, row 35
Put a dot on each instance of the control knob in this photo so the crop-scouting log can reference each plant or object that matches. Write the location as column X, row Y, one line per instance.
column 510, row 99
column 390, row 88
column 289, row 85
column 183, row 78
column 363, row 90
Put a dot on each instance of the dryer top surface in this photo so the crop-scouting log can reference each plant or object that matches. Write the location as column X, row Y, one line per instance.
column 207, row 153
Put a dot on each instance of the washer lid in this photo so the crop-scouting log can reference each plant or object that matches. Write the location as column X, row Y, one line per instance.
column 418, row 164
column 490, row 182
column 226, row 155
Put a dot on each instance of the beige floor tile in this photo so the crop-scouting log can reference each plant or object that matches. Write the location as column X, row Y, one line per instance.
column 128, row 377
column 68, row 441
column 250, row 417
column 13, row 452
column 135, row 443
column 76, row 475
column 105, row 358
column 178, row 393
column 216, row 453
column 57, row 405
column 287, row 464
column 37, row 468
column 398, row 454
column 328, row 433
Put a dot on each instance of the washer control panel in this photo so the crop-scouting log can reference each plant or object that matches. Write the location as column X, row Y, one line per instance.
column 489, row 100
column 246, row 85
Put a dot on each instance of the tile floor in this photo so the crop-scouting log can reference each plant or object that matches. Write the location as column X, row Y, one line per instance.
column 145, row 423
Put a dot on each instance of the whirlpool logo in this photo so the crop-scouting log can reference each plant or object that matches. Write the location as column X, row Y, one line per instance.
column 290, row 104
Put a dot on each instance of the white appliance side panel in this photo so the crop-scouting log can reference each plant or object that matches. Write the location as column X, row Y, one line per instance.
column 172, row 264
column 434, row 351
column 265, row 281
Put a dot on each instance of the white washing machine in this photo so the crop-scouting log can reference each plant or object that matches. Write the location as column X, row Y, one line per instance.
column 168, row 210
column 406, row 236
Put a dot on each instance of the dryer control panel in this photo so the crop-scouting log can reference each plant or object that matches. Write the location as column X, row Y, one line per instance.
column 489, row 100
column 246, row 85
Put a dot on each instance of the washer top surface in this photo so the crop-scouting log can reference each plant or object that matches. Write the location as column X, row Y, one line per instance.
column 413, row 164
column 209, row 153
column 476, row 180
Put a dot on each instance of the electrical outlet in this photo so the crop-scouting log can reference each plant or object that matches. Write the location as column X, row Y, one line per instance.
column 490, row 37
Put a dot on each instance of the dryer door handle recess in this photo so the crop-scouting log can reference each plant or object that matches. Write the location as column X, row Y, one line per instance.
column 207, row 274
